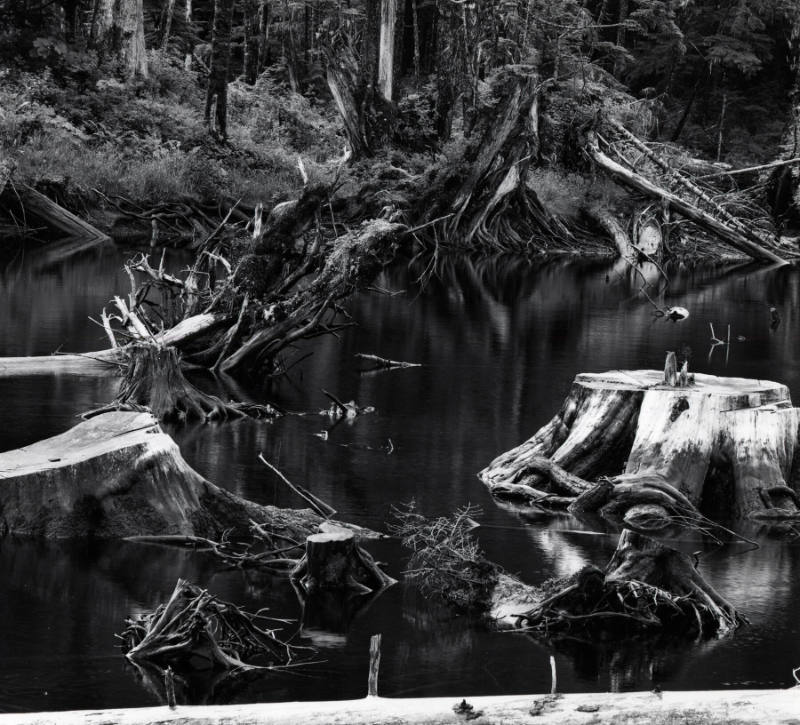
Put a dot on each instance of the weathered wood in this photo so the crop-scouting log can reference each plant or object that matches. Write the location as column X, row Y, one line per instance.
column 333, row 560
column 119, row 475
column 374, row 665
column 45, row 211
column 668, row 437
column 700, row 217
column 745, row 707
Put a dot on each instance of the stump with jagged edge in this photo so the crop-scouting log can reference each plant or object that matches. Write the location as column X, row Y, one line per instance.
column 725, row 444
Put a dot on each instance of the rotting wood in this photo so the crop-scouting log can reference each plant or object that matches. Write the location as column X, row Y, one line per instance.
column 194, row 625
column 700, row 217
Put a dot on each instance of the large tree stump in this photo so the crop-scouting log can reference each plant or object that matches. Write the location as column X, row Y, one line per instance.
column 333, row 560
column 726, row 445
column 119, row 475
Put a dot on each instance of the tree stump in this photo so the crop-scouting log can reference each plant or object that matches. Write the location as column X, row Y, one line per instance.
column 333, row 560
column 118, row 475
column 725, row 445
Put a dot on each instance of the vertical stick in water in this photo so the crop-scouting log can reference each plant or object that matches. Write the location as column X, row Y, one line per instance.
column 553, row 678
column 374, row 664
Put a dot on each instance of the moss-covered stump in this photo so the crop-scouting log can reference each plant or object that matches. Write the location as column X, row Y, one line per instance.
column 118, row 475
column 727, row 445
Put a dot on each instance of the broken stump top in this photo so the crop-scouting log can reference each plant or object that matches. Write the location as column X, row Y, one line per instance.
column 742, row 392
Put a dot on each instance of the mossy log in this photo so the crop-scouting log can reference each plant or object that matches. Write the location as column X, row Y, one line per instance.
column 118, row 475
column 725, row 445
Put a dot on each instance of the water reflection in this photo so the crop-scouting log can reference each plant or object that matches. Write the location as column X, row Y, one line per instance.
column 500, row 342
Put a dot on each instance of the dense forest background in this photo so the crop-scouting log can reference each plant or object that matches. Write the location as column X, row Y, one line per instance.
column 216, row 101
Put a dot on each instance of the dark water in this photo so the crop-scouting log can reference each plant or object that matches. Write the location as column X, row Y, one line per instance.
column 500, row 344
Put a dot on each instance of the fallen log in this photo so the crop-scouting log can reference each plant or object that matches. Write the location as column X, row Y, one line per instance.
column 118, row 475
column 717, row 443
column 745, row 707
column 45, row 211
column 700, row 217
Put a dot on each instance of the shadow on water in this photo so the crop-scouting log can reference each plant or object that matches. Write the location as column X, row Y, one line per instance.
column 499, row 342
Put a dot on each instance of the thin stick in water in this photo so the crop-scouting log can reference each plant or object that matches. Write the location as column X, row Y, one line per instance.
column 317, row 504
column 374, row 664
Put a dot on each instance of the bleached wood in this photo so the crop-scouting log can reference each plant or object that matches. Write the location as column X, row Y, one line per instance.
column 118, row 475
column 745, row 707
column 676, row 431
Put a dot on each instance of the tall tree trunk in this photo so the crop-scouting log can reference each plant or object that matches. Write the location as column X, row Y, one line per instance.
column 263, row 36
column 445, row 69
column 369, row 44
column 386, row 53
column 118, row 34
column 169, row 12
column 252, row 36
column 217, row 94
column 619, row 65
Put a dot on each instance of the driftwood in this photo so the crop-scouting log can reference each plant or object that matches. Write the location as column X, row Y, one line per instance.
column 194, row 626
column 382, row 363
column 118, row 475
column 745, row 707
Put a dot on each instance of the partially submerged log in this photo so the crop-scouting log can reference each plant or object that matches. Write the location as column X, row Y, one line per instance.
column 119, row 475
column 721, row 443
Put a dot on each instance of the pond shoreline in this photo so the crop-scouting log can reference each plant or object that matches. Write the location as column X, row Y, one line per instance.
column 701, row 706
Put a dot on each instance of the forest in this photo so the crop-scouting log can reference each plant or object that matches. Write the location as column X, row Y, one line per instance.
column 234, row 212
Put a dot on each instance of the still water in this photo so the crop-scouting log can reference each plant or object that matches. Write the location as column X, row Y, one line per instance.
column 499, row 344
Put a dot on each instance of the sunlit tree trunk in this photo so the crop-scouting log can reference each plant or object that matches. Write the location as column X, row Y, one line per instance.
column 386, row 48
column 118, row 34
column 217, row 95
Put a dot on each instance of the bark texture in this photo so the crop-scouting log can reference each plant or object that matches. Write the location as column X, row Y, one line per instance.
column 118, row 35
column 723, row 445
column 217, row 93
column 119, row 475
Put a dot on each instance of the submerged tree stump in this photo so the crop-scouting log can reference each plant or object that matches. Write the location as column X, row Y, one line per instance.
column 723, row 445
column 333, row 560
column 118, row 475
